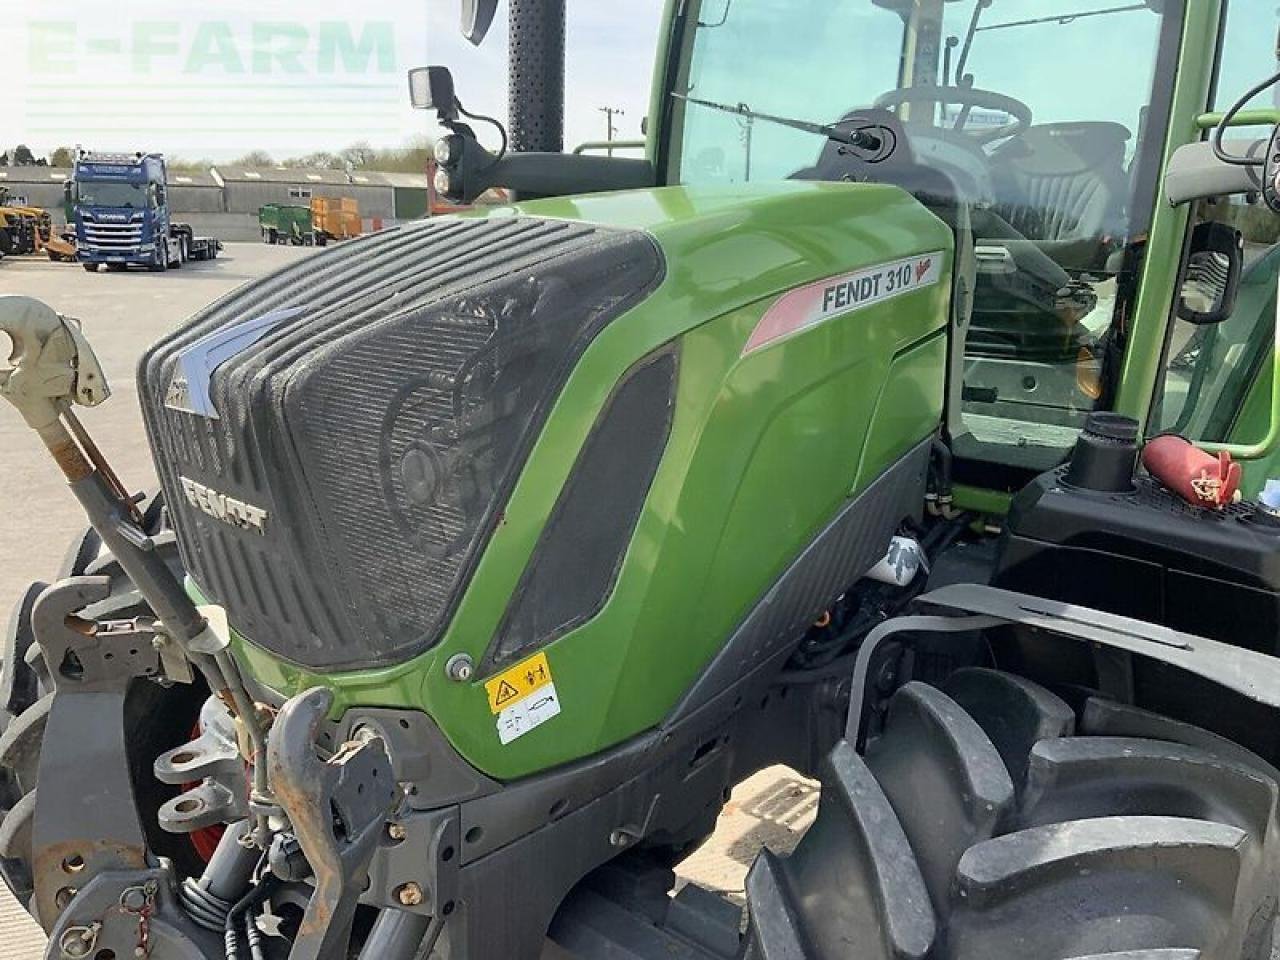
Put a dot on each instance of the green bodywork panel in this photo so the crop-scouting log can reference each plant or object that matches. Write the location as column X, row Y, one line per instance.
column 764, row 449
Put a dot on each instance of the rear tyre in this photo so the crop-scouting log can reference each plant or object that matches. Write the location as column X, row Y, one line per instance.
column 989, row 822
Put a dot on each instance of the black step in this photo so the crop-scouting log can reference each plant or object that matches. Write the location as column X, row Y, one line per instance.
column 1099, row 886
column 1014, row 712
column 851, row 887
column 943, row 777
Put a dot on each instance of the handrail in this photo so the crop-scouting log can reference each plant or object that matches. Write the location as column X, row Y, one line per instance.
column 1262, row 117
column 610, row 145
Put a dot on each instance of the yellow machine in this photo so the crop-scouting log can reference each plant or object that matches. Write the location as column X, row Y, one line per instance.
column 61, row 248
column 28, row 228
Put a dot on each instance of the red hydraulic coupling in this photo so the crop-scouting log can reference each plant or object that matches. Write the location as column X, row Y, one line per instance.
column 1199, row 478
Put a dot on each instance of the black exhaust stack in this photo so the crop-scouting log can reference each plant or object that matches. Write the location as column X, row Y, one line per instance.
column 536, row 78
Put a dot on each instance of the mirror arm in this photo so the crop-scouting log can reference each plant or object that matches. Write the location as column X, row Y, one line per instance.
column 550, row 174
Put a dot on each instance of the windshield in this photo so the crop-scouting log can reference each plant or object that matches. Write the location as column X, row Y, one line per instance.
column 110, row 194
column 1052, row 158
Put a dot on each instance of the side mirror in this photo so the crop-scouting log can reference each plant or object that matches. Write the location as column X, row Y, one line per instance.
column 431, row 88
column 68, row 190
column 1212, row 276
column 477, row 18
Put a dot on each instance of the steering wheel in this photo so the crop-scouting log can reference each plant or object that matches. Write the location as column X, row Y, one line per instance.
column 967, row 97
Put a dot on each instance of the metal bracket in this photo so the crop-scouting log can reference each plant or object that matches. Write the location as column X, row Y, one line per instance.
column 417, row 868
column 130, row 913
column 94, row 655
column 1251, row 674
column 52, row 364
column 76, row 836
column 213, row 759
column 339, row 810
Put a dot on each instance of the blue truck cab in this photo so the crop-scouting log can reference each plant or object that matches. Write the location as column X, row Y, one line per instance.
column 120, row 209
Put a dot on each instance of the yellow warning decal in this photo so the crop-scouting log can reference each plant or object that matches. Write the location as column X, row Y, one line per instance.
column 514, row 684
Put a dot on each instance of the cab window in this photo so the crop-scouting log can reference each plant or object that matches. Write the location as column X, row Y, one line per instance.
column 1046, row 173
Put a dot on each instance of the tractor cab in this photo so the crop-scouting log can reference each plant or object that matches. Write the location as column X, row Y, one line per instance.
column 1048, row 175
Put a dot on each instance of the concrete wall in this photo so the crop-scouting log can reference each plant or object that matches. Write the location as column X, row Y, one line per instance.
column 227, row 227
column 238, row 227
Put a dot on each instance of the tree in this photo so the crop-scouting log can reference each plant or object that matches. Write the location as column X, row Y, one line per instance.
column 359, row 155
column 320, row 160
column 62, row 157
column 4, row 159
column 185, row 165
column 23, row 157
column 256, row 158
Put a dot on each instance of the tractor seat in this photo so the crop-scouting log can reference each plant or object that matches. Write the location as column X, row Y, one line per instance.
column 1064, row 186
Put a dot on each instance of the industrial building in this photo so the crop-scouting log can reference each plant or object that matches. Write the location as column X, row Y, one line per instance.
column 38, row 186
column 224, row 200
column 246, row 189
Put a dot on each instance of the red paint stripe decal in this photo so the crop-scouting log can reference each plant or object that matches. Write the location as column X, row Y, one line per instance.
column 833, row 297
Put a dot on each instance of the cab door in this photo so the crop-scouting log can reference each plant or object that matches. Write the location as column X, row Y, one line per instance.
column 1218, row 382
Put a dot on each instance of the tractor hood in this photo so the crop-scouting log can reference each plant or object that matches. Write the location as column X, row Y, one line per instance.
column 337, row 442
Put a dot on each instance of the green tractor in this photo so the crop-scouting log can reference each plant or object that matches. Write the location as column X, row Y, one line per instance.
column 493, row 550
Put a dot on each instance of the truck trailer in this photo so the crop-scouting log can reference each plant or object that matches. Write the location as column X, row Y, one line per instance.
column 119, row 206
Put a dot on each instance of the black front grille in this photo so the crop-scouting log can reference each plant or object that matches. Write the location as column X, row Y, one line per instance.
column 380, row 426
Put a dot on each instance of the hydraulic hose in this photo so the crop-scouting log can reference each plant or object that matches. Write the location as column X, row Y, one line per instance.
column 255, row 897
column 228, row 874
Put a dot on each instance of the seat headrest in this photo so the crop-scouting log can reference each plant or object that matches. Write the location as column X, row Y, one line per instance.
column 1061, row 149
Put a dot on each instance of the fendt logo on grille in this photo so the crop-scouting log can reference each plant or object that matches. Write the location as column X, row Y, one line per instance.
column 224, row 508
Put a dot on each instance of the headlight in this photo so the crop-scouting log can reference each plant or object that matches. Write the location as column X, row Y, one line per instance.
column 448, row 150
column 444, row 182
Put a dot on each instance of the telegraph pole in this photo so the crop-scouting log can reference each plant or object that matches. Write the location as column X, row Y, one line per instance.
column 610, row 113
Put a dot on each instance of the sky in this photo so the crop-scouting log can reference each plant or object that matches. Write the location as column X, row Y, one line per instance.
column 216, row 80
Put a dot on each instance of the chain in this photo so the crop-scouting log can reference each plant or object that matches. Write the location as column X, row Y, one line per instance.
column 141, row 902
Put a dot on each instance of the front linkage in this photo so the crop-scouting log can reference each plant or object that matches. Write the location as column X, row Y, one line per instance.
column 98, row 891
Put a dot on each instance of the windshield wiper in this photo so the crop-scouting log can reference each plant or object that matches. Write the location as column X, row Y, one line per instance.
column 1062, row 19
column 859, row 137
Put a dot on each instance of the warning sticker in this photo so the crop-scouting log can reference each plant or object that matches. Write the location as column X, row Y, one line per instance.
column 516, row 683
column 818, row 302
column 525, row 714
